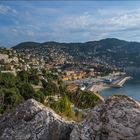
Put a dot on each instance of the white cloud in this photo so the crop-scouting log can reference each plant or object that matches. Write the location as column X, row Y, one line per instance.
column 89, row 22
column 45, row 23
column 7, row 10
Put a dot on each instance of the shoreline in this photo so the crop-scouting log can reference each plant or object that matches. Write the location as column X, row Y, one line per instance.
column 102, row 86
column 99, row 88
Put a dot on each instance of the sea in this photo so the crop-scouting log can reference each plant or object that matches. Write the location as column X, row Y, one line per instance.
column 130, row 88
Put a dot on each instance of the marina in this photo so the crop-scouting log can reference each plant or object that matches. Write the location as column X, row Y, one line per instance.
column 101, row 83
column 131, row 88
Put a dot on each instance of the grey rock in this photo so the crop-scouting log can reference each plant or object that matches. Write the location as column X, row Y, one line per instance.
column 33, row 121
column 116, row 119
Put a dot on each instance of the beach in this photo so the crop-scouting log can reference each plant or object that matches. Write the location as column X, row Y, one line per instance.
column 99, row 87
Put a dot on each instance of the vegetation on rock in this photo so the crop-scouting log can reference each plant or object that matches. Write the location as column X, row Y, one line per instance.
column 51, row 91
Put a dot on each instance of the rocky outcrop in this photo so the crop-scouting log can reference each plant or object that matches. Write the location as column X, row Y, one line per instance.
column 33, row 121
column 116, row 119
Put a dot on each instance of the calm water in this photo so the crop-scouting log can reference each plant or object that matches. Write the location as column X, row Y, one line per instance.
column 131, row 88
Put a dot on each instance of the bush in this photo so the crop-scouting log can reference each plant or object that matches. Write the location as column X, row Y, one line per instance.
column 33, row 77
column 8, row 80
column 26, row 90
column 50, row 87
column 24, row 76
column 63, row 107
column 39, row 96
column 9, row 98
column 83, row 99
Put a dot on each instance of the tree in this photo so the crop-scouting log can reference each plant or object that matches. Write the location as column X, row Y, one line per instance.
column 39, row 96
column 50, row 87
column 83, row 99
column 34, row 79
column 9, row 98
column 24, row 76
column 26, row 90
column 8, row 80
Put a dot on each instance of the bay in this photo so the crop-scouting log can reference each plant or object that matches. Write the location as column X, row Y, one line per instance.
column 131, row 88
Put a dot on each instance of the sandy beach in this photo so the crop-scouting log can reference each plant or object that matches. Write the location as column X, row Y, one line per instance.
column 98, row 88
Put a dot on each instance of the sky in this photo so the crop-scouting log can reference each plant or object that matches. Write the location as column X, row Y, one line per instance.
column 68, row 21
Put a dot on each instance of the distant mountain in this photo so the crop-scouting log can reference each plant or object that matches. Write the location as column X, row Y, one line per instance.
column 111, row 50
column 26, row 45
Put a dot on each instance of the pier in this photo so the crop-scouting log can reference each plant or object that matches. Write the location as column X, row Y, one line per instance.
column 120, row 82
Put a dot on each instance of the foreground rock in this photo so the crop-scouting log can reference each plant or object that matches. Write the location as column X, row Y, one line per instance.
column 116, row 119
column 33, row 121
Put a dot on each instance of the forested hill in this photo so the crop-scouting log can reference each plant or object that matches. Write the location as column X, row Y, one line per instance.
column 113, row 51
column 26, row 45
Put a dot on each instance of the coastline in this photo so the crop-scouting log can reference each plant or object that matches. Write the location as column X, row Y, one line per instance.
column 99, row 88
column 102, row 86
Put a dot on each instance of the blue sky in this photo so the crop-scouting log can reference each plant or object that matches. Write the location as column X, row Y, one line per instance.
column 68, row 21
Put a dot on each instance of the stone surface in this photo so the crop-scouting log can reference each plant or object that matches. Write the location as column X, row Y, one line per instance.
column 33, row 121
column 116, row 119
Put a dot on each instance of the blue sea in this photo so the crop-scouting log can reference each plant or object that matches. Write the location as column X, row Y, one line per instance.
column 131, row 88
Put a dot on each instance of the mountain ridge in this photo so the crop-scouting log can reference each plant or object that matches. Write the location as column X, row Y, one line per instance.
column 56, row 42
column 113, row 51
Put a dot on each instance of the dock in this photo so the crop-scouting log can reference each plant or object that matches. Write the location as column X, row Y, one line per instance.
column 120, row 82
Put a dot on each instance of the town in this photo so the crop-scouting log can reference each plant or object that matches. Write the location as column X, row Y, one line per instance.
column 95, row 76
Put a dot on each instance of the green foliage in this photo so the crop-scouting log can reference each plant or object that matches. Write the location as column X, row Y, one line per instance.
column 26, row 90
column 29, row 76
column 39, row 96
column 62, row 89
column 50, row 87
column 9, row 98
column 83, row 99
column 15, row 89
column 34, row 79
column 24, row 76
column 63, row 106
column 50, row 76
column 8, row 80
column 43, row 71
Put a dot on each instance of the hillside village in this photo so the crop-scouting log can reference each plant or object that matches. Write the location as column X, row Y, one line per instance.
column 68, row 85
column 24, row 76
column 51, row 59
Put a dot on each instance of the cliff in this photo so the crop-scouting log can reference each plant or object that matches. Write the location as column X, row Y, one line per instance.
column 116, row 119
column 33, row 121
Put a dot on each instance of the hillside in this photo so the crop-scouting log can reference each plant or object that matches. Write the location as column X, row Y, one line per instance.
column 111, row 51
column 27, row 45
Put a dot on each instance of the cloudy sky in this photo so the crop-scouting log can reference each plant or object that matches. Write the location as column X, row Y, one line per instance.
column 68, row 21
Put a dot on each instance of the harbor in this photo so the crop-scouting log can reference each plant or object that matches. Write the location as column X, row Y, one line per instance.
column 131, row 88
column 116, row 82
column 101, row 83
